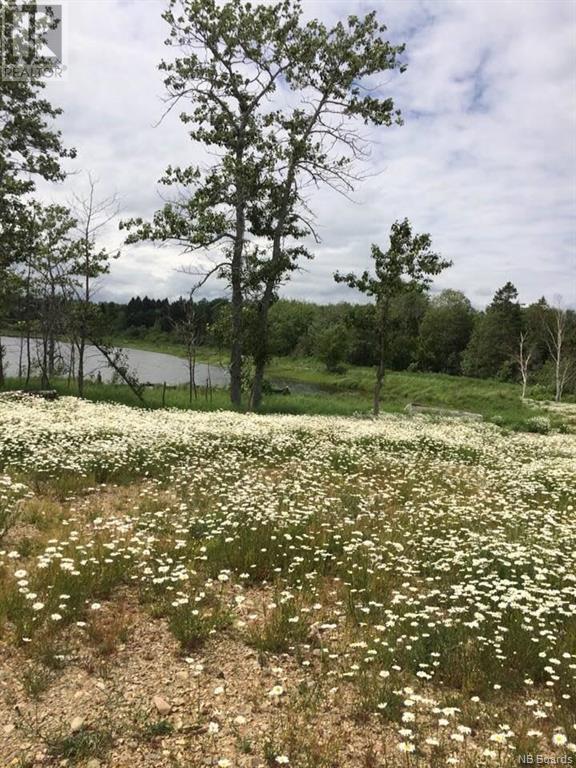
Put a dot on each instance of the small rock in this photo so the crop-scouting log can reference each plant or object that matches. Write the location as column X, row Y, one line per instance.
column 76, row 724
column 93, row 763
column 182, row 675
column 9, row 728
column 161, row 705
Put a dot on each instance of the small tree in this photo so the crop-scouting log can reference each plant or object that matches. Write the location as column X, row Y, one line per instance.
column 408, row 265
column 523, row 357
column 331, row 345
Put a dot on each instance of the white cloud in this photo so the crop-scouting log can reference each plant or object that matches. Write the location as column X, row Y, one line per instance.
column 486, row 160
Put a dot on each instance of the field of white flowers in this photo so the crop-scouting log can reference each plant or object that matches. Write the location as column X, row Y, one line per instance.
column 183, row 589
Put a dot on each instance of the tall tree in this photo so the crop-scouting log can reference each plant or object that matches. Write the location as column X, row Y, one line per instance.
column 494, row 340
column 30, row 146
column 319, row 143
column 235, row 55
column 266, row 154
column 408, row 264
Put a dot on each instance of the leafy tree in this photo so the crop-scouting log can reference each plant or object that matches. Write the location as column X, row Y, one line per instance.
column 361, row 319
column 445, row 332
column 331, row 346
column 289, row 323
column 318, row 143
column 494, row 340
column 406, row 314
column 235, row 54
column 408, row 265
column 30, row 146
column 49, row 273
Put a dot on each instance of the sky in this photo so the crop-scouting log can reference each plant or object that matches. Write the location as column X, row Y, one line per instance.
column 485, row 161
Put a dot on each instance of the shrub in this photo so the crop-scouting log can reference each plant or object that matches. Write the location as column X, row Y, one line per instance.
column 539, row 424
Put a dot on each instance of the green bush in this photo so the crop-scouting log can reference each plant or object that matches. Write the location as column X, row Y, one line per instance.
column 539, row 424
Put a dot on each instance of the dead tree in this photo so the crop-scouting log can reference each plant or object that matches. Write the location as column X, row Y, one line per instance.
column 117, row 360
column 555, row 320
column 92, row 216
column 523, row 357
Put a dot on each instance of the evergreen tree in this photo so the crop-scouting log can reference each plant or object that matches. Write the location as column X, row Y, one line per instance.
column 493, row 343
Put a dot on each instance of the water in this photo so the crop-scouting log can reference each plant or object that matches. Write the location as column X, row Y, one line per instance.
column 149, row 367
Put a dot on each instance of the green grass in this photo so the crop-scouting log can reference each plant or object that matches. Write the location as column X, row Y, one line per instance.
column 330, row 394
column 342, row 396
column 210, row 355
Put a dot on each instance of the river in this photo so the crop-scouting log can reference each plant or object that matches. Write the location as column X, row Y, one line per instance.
column 149, row 367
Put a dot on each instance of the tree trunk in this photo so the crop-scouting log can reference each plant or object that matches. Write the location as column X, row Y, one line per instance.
column 44, row 380
column 28, row 356
column 381, row 370
column 261, row 353
column 378, row 388
column 236, row 347
column 2, row 351
column 236, row 282
column 21, row 358
column 51, row 354
column 81, row 350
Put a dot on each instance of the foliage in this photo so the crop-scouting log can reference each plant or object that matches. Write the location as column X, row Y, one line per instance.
column 445, row 332
column 495, row 337
column 30, row 146
column 406, row 267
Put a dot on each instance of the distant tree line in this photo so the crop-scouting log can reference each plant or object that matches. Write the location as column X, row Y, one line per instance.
column 440, row 333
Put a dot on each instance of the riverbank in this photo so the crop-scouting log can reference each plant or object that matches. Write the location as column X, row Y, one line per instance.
column 351, row 392
column 495, row 402
column 314, row 390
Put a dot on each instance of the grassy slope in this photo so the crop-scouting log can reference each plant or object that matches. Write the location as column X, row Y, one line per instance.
column 351, row 392
column 344, row 394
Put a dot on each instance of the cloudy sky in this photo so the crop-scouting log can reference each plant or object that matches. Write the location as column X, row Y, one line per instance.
column 485, row 162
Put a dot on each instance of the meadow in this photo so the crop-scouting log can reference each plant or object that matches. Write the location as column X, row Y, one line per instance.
column 182, row 589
